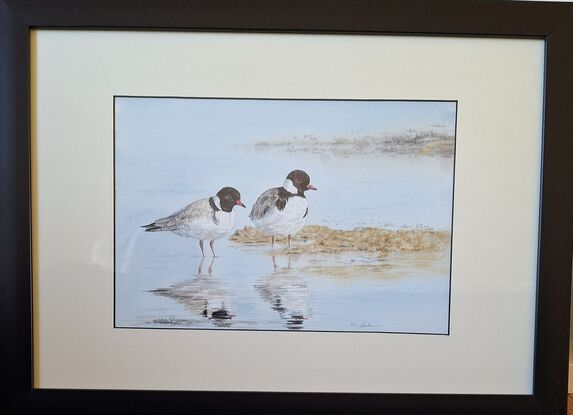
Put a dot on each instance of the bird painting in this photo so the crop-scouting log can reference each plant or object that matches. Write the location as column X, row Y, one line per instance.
column 205, row 219
column 282, row 211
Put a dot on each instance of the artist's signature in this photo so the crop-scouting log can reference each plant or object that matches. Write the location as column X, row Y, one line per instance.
column 364, row 325
column 168, row 320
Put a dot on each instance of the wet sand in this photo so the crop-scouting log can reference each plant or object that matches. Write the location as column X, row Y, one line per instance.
column 317, row 239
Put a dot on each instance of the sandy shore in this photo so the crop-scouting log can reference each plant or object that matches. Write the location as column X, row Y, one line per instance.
column 315, row 239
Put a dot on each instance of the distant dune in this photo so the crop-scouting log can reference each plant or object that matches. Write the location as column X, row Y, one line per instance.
column 414, row 142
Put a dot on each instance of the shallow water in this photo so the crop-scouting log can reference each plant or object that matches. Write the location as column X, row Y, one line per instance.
column 248, row 288
column 161, row 280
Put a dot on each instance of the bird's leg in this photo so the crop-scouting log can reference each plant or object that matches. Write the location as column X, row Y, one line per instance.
column 289, row 241
column 273, row 242
column 201, row 246
column 212, row 245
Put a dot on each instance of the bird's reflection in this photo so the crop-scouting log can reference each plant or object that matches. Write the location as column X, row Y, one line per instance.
column 209, row 269
column 286, row 294
column 204, row 295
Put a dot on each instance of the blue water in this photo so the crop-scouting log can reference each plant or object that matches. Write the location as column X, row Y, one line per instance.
column 161, row 280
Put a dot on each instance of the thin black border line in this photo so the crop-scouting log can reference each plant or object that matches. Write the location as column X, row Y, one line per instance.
column 452, row 223
column 283, row 331
column 286, row 99
column 447, row 334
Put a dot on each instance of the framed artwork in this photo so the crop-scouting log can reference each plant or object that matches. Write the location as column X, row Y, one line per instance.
column 346, row 207
column 376, row 259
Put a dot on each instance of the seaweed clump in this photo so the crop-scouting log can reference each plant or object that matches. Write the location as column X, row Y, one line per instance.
column 322, row 239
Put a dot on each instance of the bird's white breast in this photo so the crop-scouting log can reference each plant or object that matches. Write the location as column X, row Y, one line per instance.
column 287, row 221
column 226, row 221
column 205, row 227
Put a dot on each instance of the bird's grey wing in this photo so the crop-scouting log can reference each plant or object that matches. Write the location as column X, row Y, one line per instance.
column 199, row 210
column 267, row 200
column 192, row 212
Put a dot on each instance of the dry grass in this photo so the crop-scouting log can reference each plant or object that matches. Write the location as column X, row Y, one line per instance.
column 322, row 239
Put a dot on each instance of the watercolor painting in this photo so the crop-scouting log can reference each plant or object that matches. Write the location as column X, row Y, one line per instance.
column 283, row 214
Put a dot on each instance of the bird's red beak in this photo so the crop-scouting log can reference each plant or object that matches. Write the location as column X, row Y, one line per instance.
column 310, row 187
column 238, row 202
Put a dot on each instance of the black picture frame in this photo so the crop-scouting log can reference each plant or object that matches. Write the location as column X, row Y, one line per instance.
column 550, row 21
